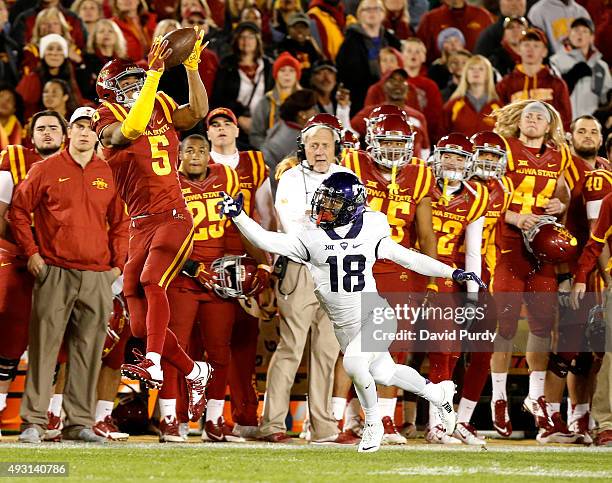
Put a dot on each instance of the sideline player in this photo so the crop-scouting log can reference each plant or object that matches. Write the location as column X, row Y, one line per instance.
column 347, row 230
column 48, row 130
column 138, row 128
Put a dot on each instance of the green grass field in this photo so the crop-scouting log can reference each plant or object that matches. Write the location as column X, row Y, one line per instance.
column 261, row 462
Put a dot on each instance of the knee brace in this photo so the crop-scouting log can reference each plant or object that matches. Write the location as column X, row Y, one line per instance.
column 536, row 343
column 558, row 365
column 8, row 369
column 582, row 364
column 357, row 369
column 383, row 369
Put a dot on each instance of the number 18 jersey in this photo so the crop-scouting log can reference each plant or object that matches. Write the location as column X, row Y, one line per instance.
column 145, row 170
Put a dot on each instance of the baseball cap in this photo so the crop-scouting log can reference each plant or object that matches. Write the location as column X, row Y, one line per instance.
column 323, row 64
column 246, row 26
column 221, row 112
column 399, row 70
column 82, row 112
column 584, row 22
column 534, row 34
column 297, row 18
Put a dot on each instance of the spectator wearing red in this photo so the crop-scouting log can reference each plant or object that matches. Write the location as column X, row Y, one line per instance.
column 329, row 20
column 397, row 19
column 469, row 108
column 471, row 20
column 23, row 25
column 357, row 59
column 214, row 10
column 10, row 111
column 137, row 25
column 506, row 55
column 48, row 21
column 105, row 43
column 531, row 79
column 428, row 94
column 395, row 89
column 54, row 64
column 450, row 40
column 89, row 11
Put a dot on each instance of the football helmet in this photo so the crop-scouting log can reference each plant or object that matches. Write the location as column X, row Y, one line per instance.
column 107, row 84
column 117, row 323
column 233, row 275
column 392, row 128
column 550, row 242
column 456, row 144
column 379, row 113
column 338, row 201
column 489, row 160
column 349, row 140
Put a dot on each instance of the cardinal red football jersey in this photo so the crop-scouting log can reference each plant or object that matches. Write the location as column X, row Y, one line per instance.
column 145, row 170
column 500, row 195
column 451, row 218
column 252, row 172
column 597, row 185
column 534, row 177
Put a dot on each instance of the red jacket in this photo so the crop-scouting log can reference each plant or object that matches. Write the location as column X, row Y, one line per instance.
column 138, row 41
column 544, row 86
column 80, row 219
column 460, row 116
column 471, row 20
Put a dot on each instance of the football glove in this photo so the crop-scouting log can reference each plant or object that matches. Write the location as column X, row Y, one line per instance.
column 260, row 280
column 198, row 271
column 461, row 276
column 191, row 63
column 231, row 207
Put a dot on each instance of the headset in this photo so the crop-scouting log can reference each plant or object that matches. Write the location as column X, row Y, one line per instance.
column 301, row 149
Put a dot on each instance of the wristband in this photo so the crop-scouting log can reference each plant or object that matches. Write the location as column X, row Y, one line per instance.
column 432, row 286
column 562, row 277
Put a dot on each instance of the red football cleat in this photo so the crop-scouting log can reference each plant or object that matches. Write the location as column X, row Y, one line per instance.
column 144, row 370
column 392, row 435
column 219, row 431
column 108, row 429
column 196, row 389
column 169, row 431
column 557, row 432
column 501, row 419
column 604, row 438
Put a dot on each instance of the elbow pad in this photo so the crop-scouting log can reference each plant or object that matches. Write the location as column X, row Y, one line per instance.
column 140, row 114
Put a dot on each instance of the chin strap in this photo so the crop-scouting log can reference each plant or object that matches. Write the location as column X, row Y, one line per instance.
column 445, row 198
column 393, row 186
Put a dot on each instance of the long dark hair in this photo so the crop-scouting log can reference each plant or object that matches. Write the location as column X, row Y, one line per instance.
column 17, row 97
column 71, row 103
column 258, row 52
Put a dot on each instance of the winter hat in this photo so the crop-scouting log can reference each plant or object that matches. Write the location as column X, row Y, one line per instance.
column 52, row 38
column 284, row 60
column 447, row 33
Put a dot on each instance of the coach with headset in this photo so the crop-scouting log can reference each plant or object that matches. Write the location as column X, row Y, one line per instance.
column 300, row 314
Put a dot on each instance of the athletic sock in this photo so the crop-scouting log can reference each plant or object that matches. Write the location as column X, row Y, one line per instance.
column 167, row 408
column 465, row 411
column 103, row 409
column 498, row 381
column 338, row 407
column 536, row 384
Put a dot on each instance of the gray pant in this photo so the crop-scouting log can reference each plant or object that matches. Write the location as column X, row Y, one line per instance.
column 602, row 399
column 74, row 306
column 301, row 315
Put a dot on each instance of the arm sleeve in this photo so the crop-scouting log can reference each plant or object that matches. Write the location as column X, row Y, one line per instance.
column 117, row 232
column 592, row 209
column 6, row 187
column 473, row 259
column 280, row 243
column 412, row 260
column 25, row 200
column 588, row 260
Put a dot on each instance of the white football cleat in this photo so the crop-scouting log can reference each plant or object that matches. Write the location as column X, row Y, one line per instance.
column 391, row 435
column 437, row 435
column 372, row 437
column 445, row 407
column 466, row 433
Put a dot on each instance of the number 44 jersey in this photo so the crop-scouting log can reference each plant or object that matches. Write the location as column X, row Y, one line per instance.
column 145, row 170
column 341, row 261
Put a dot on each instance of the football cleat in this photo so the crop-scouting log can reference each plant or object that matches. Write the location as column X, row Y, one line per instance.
column 391, row 435
column 344, row 437
column 305, row 433
column 244, row 432
column 557, row 432
column 216, row 431
column 53, row 431
column 466, row 433
column 169, row 431
column 501, row 419
column 196, row 389
column 580, row 427
column 108, row 429
column 604, row 438
column 537, row 408
column 445, row 407
column 144, row 370
column 372, row 437
column 354, row 424
column 437, row 435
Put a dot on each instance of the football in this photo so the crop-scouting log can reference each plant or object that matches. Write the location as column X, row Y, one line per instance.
column 181, row 41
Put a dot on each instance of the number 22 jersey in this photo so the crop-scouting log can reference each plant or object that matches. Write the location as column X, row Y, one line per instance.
column 145, row 170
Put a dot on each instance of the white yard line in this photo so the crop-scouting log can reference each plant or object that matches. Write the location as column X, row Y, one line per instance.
column 495, row 470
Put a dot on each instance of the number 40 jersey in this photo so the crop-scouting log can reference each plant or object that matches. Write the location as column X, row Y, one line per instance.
column 341, row 260
column 145, row 170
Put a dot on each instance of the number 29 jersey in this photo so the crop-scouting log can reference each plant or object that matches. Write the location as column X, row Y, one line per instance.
column 145, row 170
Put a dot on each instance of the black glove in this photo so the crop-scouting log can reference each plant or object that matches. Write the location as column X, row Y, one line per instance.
column 572, row 76
column 461, row 276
